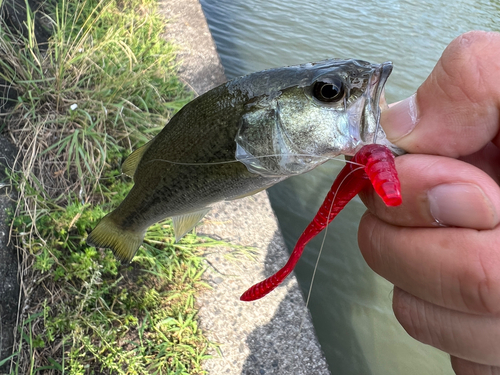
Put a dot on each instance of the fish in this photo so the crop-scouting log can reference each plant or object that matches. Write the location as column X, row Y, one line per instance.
column 373, row 164
column 243, row 137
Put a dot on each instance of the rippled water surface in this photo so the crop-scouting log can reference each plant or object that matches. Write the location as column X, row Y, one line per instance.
column 351, row 306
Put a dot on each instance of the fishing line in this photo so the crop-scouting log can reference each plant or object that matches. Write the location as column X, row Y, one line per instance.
column 249, row 158
column 309, row 293
column 336, row 158
column 325, row 234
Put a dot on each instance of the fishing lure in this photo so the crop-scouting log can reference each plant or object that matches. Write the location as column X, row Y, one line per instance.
column 372, row 163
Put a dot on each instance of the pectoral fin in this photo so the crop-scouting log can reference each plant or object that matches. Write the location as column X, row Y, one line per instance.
column 130, row 164
column 184, row 223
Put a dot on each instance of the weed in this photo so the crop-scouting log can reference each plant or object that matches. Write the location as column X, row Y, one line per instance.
column 137, row 318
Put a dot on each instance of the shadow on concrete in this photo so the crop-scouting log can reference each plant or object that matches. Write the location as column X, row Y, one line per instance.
column 343, row 289
column 286, row 344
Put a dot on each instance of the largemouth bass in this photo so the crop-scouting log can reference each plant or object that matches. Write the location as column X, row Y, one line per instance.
column 242, row 137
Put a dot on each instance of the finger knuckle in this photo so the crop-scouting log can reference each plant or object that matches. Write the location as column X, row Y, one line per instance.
column 466, row 62
column 480, row 280
column 488, row 283
column 412, row 316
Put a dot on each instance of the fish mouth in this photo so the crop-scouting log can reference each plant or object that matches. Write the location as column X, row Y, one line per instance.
column 384, row 73
column 371, row 131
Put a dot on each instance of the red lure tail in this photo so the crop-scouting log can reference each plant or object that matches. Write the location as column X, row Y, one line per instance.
column 378, row 169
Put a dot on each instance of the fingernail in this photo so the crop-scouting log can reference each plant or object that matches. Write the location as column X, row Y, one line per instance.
column 400, row 119
column 461, row 205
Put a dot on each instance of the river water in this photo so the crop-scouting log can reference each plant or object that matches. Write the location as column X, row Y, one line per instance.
column 350, row 305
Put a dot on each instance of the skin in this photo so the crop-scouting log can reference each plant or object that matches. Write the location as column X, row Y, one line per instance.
column 441, row 247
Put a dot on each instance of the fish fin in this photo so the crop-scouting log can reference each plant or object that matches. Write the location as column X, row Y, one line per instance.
column 184, row 223
column 124, row 243
column 250, row 193
column 132, row 161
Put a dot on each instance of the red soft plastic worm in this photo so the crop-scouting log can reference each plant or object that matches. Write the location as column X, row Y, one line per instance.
column 379, row 169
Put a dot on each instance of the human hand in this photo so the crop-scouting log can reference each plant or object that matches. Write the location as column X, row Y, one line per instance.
column 441, row 247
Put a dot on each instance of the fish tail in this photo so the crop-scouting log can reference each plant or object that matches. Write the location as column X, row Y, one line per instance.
column 123, row 243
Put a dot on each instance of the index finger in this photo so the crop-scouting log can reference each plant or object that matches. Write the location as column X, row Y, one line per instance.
column 455, row 112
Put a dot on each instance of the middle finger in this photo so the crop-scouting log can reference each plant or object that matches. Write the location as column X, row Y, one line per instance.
column 456, row 268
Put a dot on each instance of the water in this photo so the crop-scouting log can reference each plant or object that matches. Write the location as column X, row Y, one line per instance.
column 351, row 306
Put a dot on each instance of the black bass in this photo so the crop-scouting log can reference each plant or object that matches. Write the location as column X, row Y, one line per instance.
column 242, row 137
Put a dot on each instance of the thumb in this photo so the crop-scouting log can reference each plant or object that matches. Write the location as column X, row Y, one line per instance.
column 456, row 110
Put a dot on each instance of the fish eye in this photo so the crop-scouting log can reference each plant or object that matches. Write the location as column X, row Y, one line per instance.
column 328, row 92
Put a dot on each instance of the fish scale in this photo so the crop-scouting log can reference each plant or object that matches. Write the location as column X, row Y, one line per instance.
column 242, row 137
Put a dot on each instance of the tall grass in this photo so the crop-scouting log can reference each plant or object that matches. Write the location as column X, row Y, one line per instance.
column 103, row 84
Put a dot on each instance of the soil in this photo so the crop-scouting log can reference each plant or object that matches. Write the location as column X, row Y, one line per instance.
column 9, row 282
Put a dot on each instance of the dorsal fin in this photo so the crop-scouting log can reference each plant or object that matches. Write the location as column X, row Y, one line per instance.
column 132, row 161
column 184, row 223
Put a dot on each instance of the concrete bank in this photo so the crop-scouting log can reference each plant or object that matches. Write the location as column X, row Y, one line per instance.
column 269, row 336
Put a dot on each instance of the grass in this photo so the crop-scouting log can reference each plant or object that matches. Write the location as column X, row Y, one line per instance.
column 103, row 85
column 96, row 316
